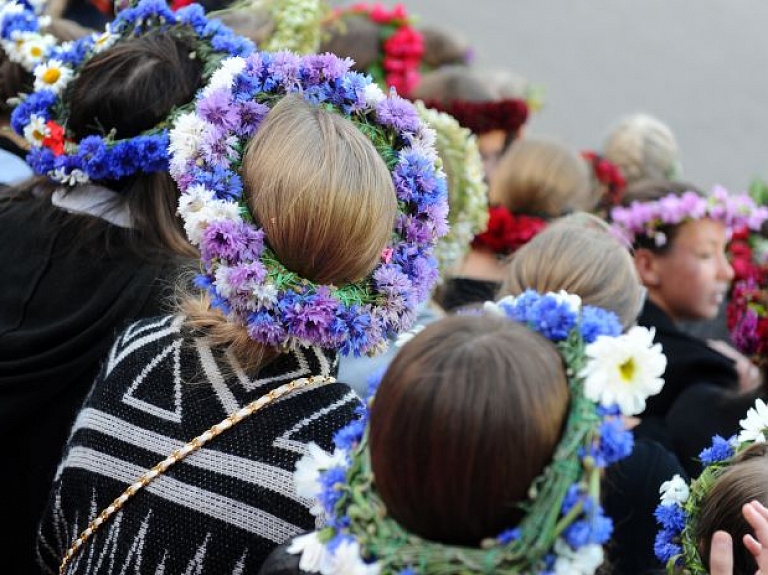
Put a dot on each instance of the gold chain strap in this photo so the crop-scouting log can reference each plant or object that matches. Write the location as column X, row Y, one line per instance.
column 182, row 452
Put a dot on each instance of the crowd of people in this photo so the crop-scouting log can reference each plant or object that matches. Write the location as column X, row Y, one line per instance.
column 289, row 290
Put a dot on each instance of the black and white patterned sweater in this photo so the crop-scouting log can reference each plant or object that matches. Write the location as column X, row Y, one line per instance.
column 222, row 509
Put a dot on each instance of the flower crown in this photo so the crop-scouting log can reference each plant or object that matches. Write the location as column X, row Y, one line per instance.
column 481, row 117
column 20, row 32
column 607, row 174
column 242, row 274
column 506, row 232
column 650, row 219
column 41, row 118
column 467, row 190
column 564, row 526
column 747, row 318
column 402, row 46
column 677, row 544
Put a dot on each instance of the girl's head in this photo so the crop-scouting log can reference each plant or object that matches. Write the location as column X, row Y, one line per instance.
column 642, row 147
column 744, row 481
column 355, row 36
column 329, row 211
column 466, row 416
column 541, row 177
column 579, row 255
column 443, row 47
column 688, row 274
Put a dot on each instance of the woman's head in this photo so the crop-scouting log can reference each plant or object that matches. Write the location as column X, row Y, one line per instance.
column 579, row 255
column 466, row 416
column 321, row 192
column 444, row 47
column 642, row 147
column 744, row 481
column 541, row 177
column 133, row 86
column 354, row 36
column 689, row 274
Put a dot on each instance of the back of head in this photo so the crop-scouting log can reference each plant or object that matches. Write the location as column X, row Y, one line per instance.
column 253, row 21
column 133, row 86
column 744, row 481
column 452, row 83
column 354, row 36
column 466, row 416
column 443, row 47
column 578, row 255
column 541, row 177
column 642, row 147
column 321, row 192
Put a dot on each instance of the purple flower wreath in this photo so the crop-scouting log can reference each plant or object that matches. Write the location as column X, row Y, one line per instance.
column 41, row 117
column 242, row 275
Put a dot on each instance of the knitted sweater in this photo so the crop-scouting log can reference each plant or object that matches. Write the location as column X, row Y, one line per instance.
column 223, row 508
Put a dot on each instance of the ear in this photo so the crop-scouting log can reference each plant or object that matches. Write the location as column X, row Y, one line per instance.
column 647, row 265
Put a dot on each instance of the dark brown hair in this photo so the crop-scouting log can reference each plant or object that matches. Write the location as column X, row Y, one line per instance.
column 744, row 481
column 354, row 36
column 651, row 190
column 467, row 415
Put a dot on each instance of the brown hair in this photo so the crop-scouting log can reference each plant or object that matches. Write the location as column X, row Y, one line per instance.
column 450, row 83
column 324, row 198
column 443, row 47
column 651, row 190
column 744, row 481
column 354, row 36
column 579, row 256
column 467, row 415
column 541, row 177
column 253, row 21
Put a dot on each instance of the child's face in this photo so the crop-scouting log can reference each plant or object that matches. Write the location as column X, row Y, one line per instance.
column 694, row 275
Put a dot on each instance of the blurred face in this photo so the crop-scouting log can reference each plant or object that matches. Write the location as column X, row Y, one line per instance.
column 690, row 281
column 491, row 145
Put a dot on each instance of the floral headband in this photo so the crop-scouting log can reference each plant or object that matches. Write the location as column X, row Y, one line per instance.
column 468, row 192
column 506, row 232
column 649, row 219
column 482, row 117
column 564, row 526
column 676, row 544
column 42, row 117
column 747, row 318
column 241, row 273
column 20, row 32
column 402, row 46
column 609, row 175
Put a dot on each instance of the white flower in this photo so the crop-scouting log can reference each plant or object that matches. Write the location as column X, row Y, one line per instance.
column 624, row 370
column 104, row 40
column 72, row 178
column 583, row 561
column 195, row 223
column 34, row 48
column 53, row 75
column 571, row 299
column 36, row 131
column 495, row 308
column 674, row 492
column 184, row 138
column 347, row 561
column 265, row 296
column 314, row 554
column 373, row 95
column 308, row 468
column 755, row 425
column 224, row 76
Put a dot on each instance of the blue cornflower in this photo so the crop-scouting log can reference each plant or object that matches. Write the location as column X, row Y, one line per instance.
column 664, row 546
column 350, row 435
column 596, row 321
column 331, row 481
column 671, row 517
column 509, row 535
column 720, row 450
column 616, row 442
column 552, row 318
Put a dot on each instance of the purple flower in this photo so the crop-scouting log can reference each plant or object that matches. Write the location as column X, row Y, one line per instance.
column 285, row 67
column 353, row 86
column 399, row 113
column 745, row 334
column 324, row 67
column 264, row 328
column 217, row 109
column 231, row 241
column 390, row 280
column 251, row 115
column 309, row 317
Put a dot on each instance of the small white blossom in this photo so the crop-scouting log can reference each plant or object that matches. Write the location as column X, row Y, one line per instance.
column 36, row 131
column 755, row 425
column 624, row 370
column 185, row 138
column 224, row 76
column 52, row 75
column 314, row 554
column 308, row 468
column 674, row 492
column 347, row 561
column 583, row 561
column 571, row 299
column 373, row 95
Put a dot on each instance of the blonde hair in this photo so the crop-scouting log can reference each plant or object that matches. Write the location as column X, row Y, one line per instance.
column 543, row 177
column 450, row 83
column 324, row 198
column 443, row 47
column 578, row 254
column 643, row 147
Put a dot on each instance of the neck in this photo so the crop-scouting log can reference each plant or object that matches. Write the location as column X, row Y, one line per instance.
column 662, row 305
column 482, row 264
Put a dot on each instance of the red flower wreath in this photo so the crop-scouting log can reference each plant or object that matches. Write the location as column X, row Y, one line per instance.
column 402, row 45
column 609, row 176
column 483, row 117
column 507, row 232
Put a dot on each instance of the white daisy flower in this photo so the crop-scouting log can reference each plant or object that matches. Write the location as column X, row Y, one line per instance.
column 36, row 131
column 104, row 40
column 184, row 141
column 194, row 200
column 674, row 492
column 195, row 223
column 624, row 370
column 571, row 299
column 373, row 95
column 755, row 425
column 224, row 77
column 72, row 178
column 347, row 561
column 34, row 48
column 315, row 556
column 53, row 75
column 582, row 561
column 308, row 468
